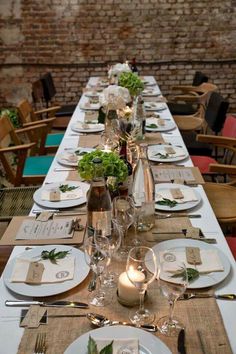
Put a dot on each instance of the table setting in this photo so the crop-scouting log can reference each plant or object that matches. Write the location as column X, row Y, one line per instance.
column 171, row 265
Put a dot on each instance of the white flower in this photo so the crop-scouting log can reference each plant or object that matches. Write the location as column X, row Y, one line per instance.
column 118, row 69
column 116, row 97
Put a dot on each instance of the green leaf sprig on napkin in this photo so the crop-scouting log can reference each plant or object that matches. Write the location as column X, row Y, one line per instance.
column 92, row 347
column 162, row 156
column 66, row 188
column 152, row 126
column 53, row 256
column 192, row 274
column 167, row 202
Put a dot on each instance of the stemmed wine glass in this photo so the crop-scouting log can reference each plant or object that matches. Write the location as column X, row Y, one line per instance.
column 97, row 262
column 124, row 213
column 173, row 282
column 141, row 269
column 108, row 243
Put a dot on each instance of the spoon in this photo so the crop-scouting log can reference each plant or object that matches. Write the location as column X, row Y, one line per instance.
column 101, row 321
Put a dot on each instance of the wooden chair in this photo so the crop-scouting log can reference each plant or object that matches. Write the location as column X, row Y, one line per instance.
column 30, row 117
column 222, row 196
column 65, row 112
column 29, row 169
column 226, row 142
column 210, row 104
column 179, row 106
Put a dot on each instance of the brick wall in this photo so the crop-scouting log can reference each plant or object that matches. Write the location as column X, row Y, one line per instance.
column 74, row 39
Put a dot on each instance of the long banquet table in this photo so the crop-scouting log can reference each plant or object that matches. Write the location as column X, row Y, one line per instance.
column 11, row 333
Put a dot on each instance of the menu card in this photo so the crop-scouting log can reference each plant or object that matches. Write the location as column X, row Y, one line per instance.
column 181, row 175
column 56, row 228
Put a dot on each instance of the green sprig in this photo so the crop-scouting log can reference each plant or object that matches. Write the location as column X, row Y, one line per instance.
column 192, row 274
column 167, row 202
column 53, row 256
column 92, row 347
column 66, row 188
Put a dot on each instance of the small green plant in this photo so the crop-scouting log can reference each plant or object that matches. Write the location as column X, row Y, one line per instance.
column 111, row 162
column 12, row 114
column 92, row 347
column 132, row 82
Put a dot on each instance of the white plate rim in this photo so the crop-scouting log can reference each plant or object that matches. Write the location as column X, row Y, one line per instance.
column 173, row 159
column 69, row 163
column 178, row 207
column 201, row 282
column 47, row 289
column 61, row 204
column 148, row 341
column 169, row 126
column 81, row 130
column 89, row 108
column 162, row 107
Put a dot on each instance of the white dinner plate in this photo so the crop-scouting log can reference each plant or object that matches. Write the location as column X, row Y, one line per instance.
column 96, row 129
column 180, row 206
column 155, row 106
column 63, row 203
column 91, row 94
column 63, row 160
column 155, row 149
column 89, row 107
column 148, row 343
column 41, row 290
column 151, row 92
column 204, row 280
column 169, row 125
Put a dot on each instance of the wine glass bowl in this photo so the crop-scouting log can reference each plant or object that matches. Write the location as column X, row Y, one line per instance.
column 139, row 262
column 173, row 281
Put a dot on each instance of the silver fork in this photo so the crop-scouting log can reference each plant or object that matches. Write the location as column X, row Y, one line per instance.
column 40, row 344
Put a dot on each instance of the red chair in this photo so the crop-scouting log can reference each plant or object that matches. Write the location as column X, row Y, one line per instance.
column 227, row 141
column 231, row 240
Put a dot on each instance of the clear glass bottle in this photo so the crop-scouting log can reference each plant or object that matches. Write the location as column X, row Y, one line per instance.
column 143, row 190
column 126, row 187
column 140, row 116
column 99, row 207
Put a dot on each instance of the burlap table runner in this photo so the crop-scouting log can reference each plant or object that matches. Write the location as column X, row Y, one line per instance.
column 151, row 139
column 197, row 314
column 90, row 140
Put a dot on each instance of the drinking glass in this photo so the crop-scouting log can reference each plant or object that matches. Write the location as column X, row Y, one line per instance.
column 97, row 262
column 124, row 213
column 108, row 244
column 139, row 262
column 173, row 282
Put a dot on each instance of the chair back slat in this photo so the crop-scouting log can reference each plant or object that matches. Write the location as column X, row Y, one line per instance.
column 26, row 112
column 229, row 129
column 216, row 111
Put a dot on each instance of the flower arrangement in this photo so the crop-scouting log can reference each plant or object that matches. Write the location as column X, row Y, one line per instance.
column 132, row 82
column 111, row 162
column 117, row 69
column 114, row 97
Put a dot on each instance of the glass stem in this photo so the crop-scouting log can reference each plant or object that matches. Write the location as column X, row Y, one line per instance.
column 171, row 311
column 141, row 301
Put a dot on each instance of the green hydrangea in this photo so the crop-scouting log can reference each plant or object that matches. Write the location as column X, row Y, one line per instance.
column 132, row 82
column 111, row 162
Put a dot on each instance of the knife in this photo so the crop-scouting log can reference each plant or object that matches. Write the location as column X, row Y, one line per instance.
column 69, row 304
column 188, row 296
column 181, row 342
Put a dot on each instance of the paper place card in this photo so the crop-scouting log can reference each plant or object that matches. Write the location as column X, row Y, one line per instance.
column 120, row 345
column 33, row 317
column 170, row 150
column 172, row 174
column 193, row 255
column 90, row 116
column 38, row 230
column 54, row 194
column 57, row 272
column 188, row 195
column 176, row 193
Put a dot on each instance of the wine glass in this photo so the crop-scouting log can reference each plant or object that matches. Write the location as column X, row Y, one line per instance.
column 97, row 262
column 173, row 282
column 123, row 212
column 139, row 262
column 108, row 243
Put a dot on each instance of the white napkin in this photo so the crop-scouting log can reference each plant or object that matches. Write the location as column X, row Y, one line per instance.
column 154, row 120
column 119, row 344
column 70, row 195
column 53, row 273
column 179, row 152
column 155, row 105
column 81, row 125
column 210, row 261
column 150, row 92
column 70, row 156
column 89, row 105
column 189, row 196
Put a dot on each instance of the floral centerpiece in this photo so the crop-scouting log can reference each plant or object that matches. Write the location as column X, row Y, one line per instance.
column 116, row 70
column 132, row 82
column 114, row 97
column 113, row 166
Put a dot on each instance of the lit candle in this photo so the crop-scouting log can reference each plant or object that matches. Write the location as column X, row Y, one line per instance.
column 126, row 290
column 107, row 148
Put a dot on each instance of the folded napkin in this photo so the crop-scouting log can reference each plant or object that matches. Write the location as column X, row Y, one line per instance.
column 89, row 105
column 155, row 105
column 157, row 121
column 70, row 157
column 149, row 91
column 127, row 345
column 81, row 125
column 53, row 273
column 210, row 261
column 54, row 194
column 188, row 196
column 179, row 152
